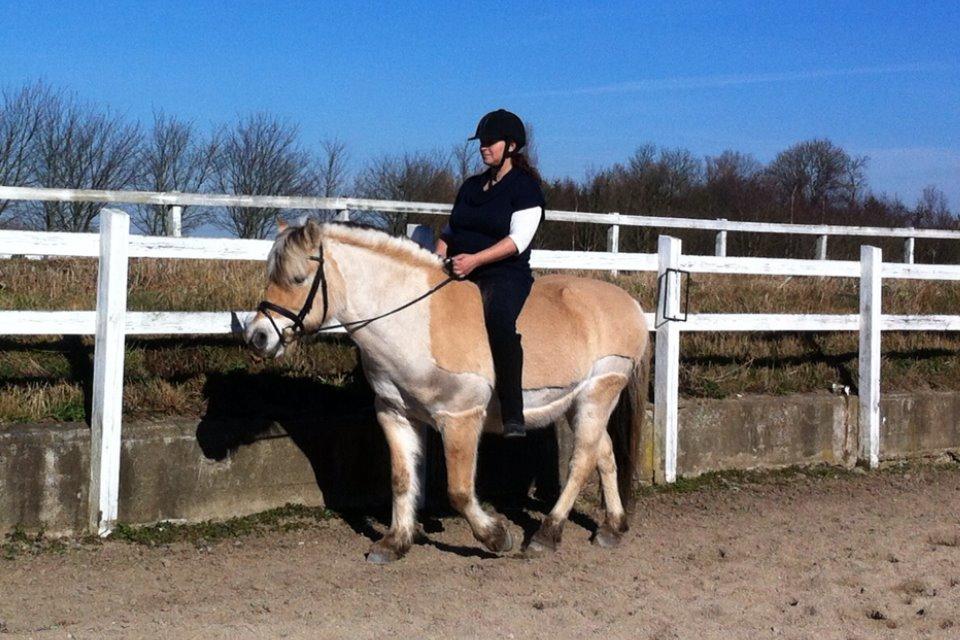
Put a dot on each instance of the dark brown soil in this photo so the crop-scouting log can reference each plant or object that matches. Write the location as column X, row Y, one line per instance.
column 794, row 556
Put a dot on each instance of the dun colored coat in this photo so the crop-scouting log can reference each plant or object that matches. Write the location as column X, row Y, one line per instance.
column 585, row 341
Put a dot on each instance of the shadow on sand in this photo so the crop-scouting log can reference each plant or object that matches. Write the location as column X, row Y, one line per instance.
column 335, row 428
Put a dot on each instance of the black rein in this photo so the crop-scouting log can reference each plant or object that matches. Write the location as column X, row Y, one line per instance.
column 320, row 282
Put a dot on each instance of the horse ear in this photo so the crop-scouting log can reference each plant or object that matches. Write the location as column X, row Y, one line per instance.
column 281, row 224
column 312, row 230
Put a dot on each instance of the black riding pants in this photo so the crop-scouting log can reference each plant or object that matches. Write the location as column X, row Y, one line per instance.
column 503, row 293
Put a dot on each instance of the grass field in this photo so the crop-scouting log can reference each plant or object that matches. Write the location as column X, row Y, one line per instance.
column 48, row 379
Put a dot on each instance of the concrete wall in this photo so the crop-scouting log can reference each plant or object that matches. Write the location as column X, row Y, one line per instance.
column 766, row 432
column 195, row 470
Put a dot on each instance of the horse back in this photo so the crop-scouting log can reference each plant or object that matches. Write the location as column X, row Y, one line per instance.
column 567, row 324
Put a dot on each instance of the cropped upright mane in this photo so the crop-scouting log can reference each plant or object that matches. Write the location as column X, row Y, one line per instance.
column 381, row 242
column 296, row 243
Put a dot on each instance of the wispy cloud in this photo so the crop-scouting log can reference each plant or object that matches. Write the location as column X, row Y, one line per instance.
column 716, row 81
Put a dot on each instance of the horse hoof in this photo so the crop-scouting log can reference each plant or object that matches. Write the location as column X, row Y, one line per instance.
column 547, row 538
column 536, row 550
column 380, row 554
column 607, row 538
column 507, row 542
column 499, row 540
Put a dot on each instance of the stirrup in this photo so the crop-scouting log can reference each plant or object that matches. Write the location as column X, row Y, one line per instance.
column 514, row 429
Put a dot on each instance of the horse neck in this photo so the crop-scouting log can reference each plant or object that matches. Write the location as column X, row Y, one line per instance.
column 375, row 284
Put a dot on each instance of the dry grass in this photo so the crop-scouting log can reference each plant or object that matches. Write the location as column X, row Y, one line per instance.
column 45, row 378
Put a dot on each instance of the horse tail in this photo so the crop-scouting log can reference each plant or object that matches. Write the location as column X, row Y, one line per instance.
column 627, row 424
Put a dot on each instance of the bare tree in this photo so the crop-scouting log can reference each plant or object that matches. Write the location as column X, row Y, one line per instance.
column 465, row 159
column 79, row 147
column 733, row 181
column 815, row 175
column 175, row 159
column 680, row 173
column 21, row 114
column 932, row 209
column 731, row 168
column 421, row 177
column 262, row 156
column 332, row 174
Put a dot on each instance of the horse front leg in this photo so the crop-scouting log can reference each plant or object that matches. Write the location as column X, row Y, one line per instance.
column 404, row 443
column 461, row 437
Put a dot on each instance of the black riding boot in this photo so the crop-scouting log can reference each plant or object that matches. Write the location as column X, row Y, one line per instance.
column 503, row 295
column 508, row 368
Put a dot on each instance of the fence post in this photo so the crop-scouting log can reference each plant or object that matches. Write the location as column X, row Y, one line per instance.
column 908, row 250
column 869, row 359
column 175, row 220
column 667, row 362
column 108, row 372
column 822, row 248
column 613, row 241
column 721, row 246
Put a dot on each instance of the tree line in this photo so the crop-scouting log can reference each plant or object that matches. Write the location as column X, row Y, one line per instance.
column 49, row 138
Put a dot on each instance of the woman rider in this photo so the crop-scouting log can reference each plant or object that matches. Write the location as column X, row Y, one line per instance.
column 494, row 218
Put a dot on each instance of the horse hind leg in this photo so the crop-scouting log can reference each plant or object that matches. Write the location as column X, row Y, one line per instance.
column 461, row 436
column 615, row 523
column 589, row 418
column 404, row 446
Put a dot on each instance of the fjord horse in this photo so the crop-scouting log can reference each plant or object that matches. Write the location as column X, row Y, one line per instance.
column 585, row 341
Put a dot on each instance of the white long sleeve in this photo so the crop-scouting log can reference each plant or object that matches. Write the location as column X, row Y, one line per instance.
column 523, row 224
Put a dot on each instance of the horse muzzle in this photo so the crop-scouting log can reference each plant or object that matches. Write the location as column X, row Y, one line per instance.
column 262, row 339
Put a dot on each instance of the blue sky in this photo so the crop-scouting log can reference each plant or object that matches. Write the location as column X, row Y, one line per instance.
column 595, row 79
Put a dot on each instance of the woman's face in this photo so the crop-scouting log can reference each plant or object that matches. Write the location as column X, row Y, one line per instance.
column 491, row 151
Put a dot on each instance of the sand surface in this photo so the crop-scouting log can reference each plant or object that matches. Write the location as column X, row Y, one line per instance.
column 858, row 556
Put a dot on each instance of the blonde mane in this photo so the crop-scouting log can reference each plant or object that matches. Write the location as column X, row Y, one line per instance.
column 295, row 244
column 381, row 242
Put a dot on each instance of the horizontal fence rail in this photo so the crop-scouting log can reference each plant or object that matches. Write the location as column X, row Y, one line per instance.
column 722, row 227
column 110, row 321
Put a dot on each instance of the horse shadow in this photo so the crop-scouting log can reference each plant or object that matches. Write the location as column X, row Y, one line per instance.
column 335, row 428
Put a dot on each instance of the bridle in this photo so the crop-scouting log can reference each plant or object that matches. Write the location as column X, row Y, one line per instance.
column 320, row 283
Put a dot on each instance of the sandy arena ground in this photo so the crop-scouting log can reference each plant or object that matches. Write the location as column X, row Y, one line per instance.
column 857, row 556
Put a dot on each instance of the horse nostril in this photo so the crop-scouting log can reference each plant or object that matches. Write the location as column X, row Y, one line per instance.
column 259, row 339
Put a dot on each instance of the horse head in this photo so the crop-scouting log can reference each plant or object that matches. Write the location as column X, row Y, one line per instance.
column 299, row 297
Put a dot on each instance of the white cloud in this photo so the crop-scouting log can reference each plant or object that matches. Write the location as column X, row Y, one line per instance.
column 715, row 81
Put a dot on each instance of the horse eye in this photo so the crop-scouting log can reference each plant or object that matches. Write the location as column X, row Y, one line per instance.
column 300, row 279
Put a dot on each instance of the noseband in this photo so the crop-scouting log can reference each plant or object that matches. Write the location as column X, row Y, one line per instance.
column 320, row 283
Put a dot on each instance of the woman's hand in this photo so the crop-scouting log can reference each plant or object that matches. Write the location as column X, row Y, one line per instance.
column 464, row 263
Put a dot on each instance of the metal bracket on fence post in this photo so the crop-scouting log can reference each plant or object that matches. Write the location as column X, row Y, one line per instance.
column 908, row 250
column 343, row 215
column 721, row 244
column 104, row 488
column 613, row 241
column 667, row 363
column 869, row 359
column 822, row 247
column 664, row 282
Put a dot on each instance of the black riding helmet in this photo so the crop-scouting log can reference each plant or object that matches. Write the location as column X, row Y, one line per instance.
column 501, row 125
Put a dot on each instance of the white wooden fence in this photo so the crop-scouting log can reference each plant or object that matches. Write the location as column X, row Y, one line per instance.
column 111, row 322
column 176, row 201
